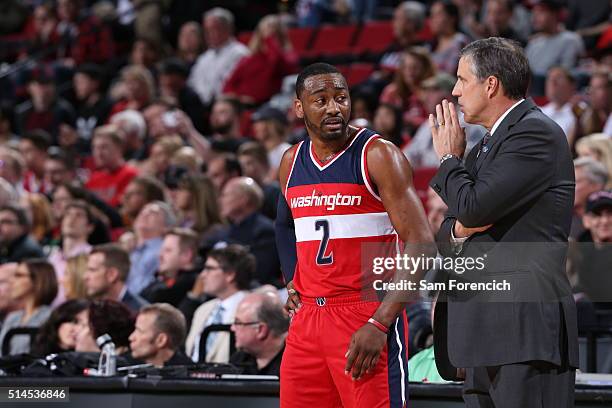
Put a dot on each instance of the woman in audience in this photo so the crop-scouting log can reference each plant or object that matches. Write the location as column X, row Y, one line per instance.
column 74, row 287
column 259, row 76
column 104, row 317
column 599, row 147
column 404, row 92
column 448, row 42
column 34, row 287
column 135, row 91
column 59, row 332
column 195, row 200
column 388, row 123
column 41, row 218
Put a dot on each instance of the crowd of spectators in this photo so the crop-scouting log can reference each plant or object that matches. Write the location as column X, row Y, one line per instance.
column 140, row 143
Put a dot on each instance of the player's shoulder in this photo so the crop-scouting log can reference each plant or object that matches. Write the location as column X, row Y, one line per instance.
column 290, row 153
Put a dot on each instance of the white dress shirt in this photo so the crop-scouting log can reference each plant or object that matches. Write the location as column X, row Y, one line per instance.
column 213, row 67
column 563, row 116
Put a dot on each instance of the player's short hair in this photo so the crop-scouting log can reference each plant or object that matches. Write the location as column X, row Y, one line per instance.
column 318, row 68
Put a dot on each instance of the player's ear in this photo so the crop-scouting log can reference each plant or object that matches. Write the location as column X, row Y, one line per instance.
column 298, row 108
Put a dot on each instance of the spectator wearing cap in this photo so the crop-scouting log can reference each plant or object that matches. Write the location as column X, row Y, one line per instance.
column 594, row 258
column 420, row 151
column 108, row 266
column 270, row 126
column 92, row 107
column 149, row 226
column 553, row 45
column 216, row 63
column 240, row 203
column 173, row 76
column 590, row 176
column 133, row 131
column 16, row 244
column 44, row 109
column 59, row 168
column 271, row 59
column 253, row 160
column 112, row 174
column 33, row 147
column 138, row 193
column 560, row 89
column 260, row 326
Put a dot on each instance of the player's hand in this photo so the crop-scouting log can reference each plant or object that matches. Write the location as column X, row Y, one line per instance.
column 446, row 131
column 293, row 300
column 364, row 351
column 461, row 232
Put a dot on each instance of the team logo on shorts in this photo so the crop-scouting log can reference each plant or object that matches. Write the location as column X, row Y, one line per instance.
column 320, row 301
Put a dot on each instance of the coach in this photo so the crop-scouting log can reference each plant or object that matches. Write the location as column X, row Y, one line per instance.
column 511, row 200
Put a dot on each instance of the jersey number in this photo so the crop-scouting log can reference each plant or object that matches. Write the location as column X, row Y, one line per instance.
column 321, row 258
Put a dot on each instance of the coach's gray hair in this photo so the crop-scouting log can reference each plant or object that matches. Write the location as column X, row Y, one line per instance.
column 415, row 12
column 595, row 172
column 502, row 58
column 224, row 15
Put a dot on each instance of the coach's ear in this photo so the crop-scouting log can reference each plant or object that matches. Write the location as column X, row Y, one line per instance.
column 298, row 108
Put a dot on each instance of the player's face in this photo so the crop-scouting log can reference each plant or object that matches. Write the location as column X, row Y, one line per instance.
column 325, row 106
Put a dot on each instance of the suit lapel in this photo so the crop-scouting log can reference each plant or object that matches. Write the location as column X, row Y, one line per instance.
column 502, row 131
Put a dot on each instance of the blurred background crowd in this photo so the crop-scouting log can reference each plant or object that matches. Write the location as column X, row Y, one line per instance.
column 140, row 142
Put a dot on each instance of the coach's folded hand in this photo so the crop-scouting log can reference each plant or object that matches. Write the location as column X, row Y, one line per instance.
column 364, row 351
column 293, row 300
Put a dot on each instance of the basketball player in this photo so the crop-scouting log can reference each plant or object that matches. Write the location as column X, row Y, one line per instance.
column 343, row 187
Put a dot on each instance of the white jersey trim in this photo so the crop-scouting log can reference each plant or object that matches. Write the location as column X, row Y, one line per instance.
column 344, row 226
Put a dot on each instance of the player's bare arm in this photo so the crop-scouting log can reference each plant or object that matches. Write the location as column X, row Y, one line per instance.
column 391, row 173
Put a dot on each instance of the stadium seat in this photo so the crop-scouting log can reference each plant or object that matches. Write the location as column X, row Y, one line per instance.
column 300, row 38
column 358, row 73
column 374, row 37
column 332, row 40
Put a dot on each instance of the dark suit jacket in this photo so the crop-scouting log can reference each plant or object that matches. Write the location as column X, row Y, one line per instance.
column 134, row 302
column 523, row 185
column 24, row 247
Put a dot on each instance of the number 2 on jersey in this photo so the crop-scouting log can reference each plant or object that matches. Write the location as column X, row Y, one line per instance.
column 321, row 258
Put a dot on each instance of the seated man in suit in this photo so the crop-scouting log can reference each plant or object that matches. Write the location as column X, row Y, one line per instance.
column 240, row 203
column 261, row 327
column 158, row 335
column 226, row 275
column 107, row 270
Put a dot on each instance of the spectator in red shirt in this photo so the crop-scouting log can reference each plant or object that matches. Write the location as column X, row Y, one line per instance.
column 258, row 76
column 112, row 175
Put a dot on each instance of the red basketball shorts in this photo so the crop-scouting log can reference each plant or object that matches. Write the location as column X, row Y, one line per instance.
column 312, row 370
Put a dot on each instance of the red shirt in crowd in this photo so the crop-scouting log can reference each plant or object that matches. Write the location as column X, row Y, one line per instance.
column 259, row 75
column 109, row 186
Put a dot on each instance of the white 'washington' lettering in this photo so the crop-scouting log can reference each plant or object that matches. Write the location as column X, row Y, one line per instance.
column 328, row 201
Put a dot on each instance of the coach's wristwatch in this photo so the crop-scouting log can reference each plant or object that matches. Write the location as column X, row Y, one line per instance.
column 448, row 156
